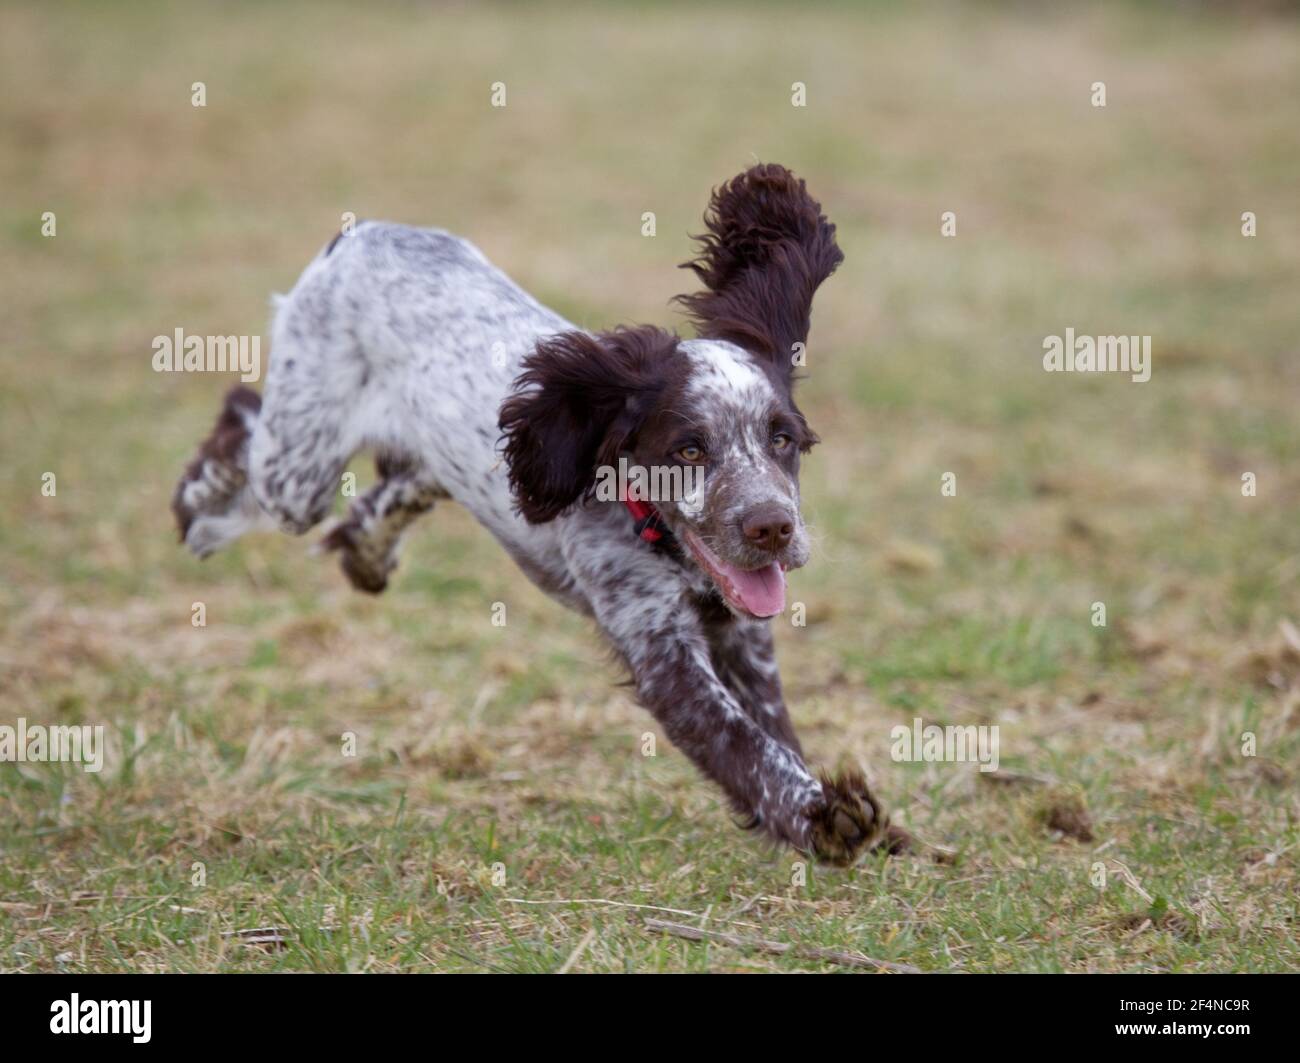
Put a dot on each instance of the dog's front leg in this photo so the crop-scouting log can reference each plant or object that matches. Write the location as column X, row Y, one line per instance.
column 744, row 658
column 664, row 644
column 765, row 778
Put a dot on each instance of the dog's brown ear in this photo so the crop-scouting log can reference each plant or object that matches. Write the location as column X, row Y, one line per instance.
column 767, row 249
column 579, row 400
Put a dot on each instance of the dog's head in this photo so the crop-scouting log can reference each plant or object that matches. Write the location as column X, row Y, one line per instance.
column 709, row 426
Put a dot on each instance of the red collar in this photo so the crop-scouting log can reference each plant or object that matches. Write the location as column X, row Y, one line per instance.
column 650, row 525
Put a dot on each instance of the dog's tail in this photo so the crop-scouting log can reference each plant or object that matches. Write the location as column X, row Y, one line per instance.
column 213, row 502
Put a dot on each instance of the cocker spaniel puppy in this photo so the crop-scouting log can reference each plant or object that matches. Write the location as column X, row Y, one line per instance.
column 410, row 343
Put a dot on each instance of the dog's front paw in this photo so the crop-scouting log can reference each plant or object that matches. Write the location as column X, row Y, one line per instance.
column 847, row 821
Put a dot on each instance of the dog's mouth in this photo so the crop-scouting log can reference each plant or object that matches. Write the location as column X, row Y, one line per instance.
column 758, row 592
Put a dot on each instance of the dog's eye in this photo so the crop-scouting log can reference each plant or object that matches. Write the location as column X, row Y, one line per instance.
column 691, row 452
column 780, row 441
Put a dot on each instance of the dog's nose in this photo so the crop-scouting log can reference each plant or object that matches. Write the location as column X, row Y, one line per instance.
column 768, row 527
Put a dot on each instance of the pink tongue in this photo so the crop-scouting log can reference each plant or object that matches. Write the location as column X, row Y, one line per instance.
column 761, row 591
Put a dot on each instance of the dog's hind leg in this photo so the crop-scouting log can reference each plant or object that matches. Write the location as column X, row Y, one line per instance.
column 212, row 503
column 263, row 465
column 325, row 397
column 367, row 539
column 296, row 460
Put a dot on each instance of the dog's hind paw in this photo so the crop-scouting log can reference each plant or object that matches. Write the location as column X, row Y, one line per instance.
column 847, row 821
column 364, row 571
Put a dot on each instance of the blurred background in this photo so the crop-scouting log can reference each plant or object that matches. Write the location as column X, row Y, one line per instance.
column 483, row 744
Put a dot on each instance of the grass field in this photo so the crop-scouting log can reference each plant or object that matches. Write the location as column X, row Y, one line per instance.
column 499, row 814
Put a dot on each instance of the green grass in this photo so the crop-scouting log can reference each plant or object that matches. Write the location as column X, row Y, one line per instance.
column 498, row 813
